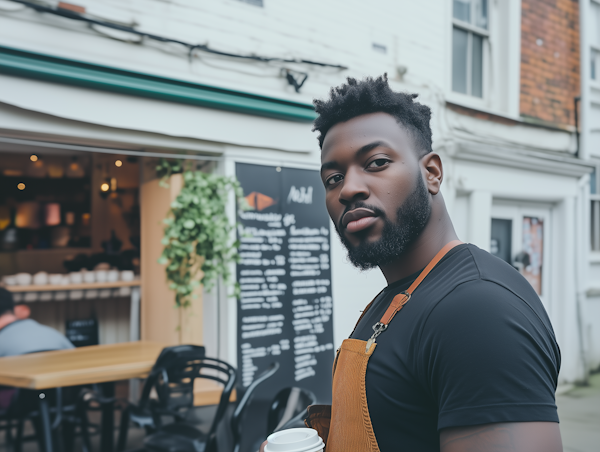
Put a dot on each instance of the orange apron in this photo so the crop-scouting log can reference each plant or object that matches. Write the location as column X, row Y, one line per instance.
column 346, row 425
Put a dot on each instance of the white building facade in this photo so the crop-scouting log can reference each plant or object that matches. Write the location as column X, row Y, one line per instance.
column 67, row 82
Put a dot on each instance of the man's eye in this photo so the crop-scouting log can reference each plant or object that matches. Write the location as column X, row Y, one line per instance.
column 334, row 179
column 378, row 163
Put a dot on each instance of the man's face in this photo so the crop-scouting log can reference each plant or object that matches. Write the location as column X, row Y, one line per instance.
column 375, row 193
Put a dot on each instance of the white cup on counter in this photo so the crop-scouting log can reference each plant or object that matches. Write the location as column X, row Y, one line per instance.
column 76, row 278
column 75, row 294
column 127, row 275
column 112, row 275
column 23, row 279
column 55, row 279
column 10, row 280
column 40, row 279
column 295, row 440
column 88, row 276
column 29, row 297
column 101, row 275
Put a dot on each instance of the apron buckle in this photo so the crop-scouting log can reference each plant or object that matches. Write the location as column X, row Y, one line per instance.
column 378, row 328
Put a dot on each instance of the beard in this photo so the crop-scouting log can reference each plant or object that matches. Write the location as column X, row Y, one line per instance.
column 411, row 218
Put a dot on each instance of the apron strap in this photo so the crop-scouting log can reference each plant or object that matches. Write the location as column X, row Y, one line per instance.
column 400, row 300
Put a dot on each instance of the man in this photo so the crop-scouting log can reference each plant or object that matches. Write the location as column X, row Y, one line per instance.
column 20, row 335
column 467, row 360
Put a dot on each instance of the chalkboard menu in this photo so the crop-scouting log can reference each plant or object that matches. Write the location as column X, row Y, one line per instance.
column 285, row 308
column 82, row 332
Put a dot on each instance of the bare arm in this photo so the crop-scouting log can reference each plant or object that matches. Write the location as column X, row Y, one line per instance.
column 503, row 437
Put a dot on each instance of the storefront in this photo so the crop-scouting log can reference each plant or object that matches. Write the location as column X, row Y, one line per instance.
column 118, row 149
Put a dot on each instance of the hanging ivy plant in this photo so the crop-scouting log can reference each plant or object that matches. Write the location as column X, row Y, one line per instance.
column 197, row 231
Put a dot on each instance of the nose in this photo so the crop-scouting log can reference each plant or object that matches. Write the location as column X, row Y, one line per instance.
column 354, row 187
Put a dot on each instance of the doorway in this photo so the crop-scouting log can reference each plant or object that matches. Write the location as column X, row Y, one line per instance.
column 521, row 234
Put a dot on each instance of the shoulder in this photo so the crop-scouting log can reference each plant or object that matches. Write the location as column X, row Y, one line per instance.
column 53, row 338
column 498, row 287
column 485, row 324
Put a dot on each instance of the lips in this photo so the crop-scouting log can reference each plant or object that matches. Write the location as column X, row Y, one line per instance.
column 358, row 219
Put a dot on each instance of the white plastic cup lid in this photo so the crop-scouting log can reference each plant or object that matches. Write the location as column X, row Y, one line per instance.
column 295, row 440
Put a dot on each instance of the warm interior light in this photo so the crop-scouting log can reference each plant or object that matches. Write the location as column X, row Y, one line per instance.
column 33, row 158
column 104, row 187
column 74, row 166
column 21, row 186
column 118, row 163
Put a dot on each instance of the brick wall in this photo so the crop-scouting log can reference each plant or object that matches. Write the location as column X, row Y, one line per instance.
column 549, row 60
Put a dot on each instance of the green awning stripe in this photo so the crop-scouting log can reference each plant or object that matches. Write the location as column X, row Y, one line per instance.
column 70, row 72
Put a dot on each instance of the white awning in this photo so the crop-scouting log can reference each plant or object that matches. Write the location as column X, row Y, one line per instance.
column 154, row 116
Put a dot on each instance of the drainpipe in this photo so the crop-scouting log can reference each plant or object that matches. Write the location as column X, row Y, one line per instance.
column 576, row 100
column 580, row 268
column 584, row 76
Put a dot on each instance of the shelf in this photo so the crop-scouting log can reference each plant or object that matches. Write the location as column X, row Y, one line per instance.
column 53, row 288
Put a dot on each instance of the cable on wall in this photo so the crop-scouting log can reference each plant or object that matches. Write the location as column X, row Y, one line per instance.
column 294, row 78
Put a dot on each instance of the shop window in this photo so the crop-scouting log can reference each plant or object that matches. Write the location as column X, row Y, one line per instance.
column 469, row 43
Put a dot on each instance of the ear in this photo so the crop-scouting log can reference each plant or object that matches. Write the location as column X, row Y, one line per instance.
column 433, row 172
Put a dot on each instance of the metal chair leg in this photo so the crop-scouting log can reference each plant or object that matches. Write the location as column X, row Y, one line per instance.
column 123, row 430
column 46, row 427
column 84, row 426
column 18, row 444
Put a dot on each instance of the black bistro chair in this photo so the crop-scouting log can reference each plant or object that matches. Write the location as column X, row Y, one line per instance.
column 147, row 412
column 288, row 409
column 240, row 409
column 177, row 369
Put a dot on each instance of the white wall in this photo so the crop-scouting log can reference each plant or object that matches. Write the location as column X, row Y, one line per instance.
column 352, row 290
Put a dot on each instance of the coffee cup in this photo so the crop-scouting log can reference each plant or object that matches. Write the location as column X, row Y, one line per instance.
column 88, row 276
column 23, row 279
column 40, row 279
column 101, row 275
column 76, row 277
column 112, row 275
column 55, row 279
column 127, row 275
column 295, row 440
column 10, row 280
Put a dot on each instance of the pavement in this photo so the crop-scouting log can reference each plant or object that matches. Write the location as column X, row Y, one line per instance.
column 579, row 414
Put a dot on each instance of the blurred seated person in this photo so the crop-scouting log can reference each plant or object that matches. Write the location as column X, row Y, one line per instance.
column 20, row 335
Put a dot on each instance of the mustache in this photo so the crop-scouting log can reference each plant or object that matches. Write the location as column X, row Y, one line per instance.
column 356, row 205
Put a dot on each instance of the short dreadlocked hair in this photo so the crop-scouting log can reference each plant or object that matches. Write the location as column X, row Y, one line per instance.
column 356, row 98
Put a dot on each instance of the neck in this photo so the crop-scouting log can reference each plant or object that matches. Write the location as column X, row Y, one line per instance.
column 7, row 319
column 437, row 233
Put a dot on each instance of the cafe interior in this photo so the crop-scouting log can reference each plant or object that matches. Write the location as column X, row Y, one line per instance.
column 80, row 237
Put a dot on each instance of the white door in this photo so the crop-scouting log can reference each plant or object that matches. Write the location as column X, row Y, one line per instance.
column 521, row 235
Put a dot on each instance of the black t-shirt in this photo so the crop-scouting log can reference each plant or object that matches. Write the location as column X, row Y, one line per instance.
column 472, row 346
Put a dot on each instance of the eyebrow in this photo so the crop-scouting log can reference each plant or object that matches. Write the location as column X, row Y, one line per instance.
column 363, row 150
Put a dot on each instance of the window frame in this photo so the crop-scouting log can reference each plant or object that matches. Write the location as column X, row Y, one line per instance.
column 473, row 30
column 595, row 61
column 501, row 60
column 595, row 212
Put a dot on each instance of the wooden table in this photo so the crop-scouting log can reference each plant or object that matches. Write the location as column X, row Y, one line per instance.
column 89, row 365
